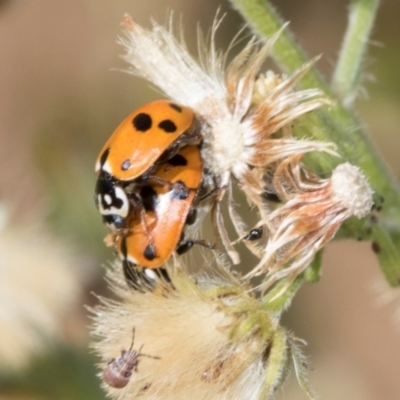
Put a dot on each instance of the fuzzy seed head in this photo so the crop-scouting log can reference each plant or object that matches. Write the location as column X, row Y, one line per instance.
column 226, row 147
column 351, row 189
column 212, row 340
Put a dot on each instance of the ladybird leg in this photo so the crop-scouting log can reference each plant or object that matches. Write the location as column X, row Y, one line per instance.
column 138, row 203
column 185, row 246
column 214, row 192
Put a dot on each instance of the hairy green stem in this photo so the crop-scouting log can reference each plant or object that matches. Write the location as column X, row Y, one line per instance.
column 346, row 78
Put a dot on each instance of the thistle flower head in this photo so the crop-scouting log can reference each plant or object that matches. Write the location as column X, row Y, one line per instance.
column 310, row 219
column 239, row 109
column 208, row 339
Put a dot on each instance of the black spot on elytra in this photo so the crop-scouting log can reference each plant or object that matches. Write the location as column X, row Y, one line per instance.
column 104, row 156
column 149, row 198
column 374, row 219
column 376, row 248
column 175, row 107
column 150, row 252
column 178, row 161
column 167, row 126
column 125, row 165
column 142, row 122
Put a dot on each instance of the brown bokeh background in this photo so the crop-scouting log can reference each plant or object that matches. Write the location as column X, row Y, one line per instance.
column 61, row 95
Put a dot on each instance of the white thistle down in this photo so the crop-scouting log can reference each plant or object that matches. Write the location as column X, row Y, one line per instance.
column 239, row 109
column 212, row 340
column 38, row 288
column 310, row 219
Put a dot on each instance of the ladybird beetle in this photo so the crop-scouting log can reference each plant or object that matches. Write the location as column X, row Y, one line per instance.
column 153, row 132
column 147, row 137
column 168, row 210
column 118, row 371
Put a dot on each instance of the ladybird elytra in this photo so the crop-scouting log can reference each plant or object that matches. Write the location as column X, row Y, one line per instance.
column 167, row 221
column 143, row 136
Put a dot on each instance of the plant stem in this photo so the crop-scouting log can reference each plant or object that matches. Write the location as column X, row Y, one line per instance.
column 346, row 77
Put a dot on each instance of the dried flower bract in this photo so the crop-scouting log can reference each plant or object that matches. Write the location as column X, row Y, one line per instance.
column 311, row 217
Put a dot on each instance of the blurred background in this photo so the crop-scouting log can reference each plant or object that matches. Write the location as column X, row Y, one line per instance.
column 61, row 96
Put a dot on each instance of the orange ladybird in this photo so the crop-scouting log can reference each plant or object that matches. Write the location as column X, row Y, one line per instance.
column 168, row 210
column 150, row 134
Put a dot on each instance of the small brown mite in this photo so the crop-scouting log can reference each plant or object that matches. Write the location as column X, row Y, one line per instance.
column 118, row 371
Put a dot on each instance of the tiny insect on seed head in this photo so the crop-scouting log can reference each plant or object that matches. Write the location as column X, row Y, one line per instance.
column 118, row 371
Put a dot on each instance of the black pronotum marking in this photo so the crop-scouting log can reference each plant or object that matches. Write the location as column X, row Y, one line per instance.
column 149, row 198
column 150, row 252
column 142, row 122
column 178, row 161
column 105, row 185
column 175, row 107
column 167, row 126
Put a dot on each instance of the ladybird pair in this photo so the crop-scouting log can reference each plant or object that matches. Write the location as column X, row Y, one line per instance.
column 149, row 175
